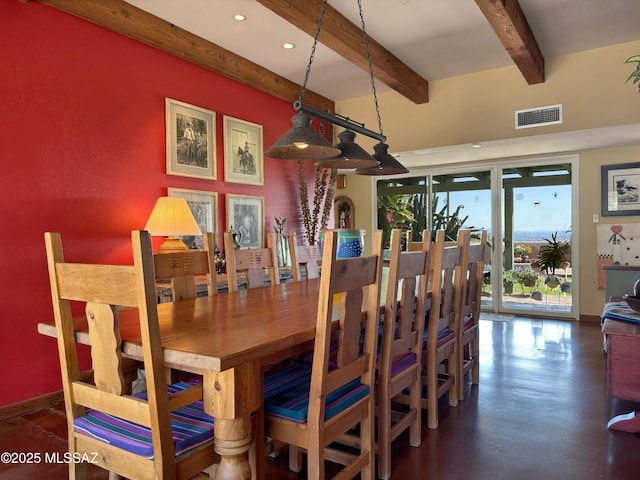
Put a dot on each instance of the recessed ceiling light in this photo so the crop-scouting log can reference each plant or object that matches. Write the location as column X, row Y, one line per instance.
column 288, row 46
column 476, row 145
column 239, row 17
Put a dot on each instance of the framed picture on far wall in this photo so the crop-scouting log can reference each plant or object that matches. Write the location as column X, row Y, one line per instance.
column 191, row 137
column 245, row 214
column 243, row 159
column 204, row 206
column 620, row 189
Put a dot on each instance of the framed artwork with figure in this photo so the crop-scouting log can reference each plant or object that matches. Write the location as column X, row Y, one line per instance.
column 190, row 138
column 243, row 158
column 245, row 214
column 620, row 189
column 343, row 213
column 204, row 206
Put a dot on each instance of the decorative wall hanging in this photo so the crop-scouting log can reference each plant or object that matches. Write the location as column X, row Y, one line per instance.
column 243, row 158
column 617, row 244
column 191, row 136
column 620, row 189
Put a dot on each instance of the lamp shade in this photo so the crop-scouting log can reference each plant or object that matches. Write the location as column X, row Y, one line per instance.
column 388, row 164
column 302, row 142
column 170, row 217
column 352, row 156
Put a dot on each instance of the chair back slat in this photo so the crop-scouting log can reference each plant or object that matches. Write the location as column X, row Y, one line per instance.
column 303, row 258
column 106, row 351
column 175, row 264
column 252, row 262
column 111, row 284
column 187, row 263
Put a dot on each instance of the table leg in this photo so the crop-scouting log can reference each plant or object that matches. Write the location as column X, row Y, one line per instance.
column 230, row 397
column 232, row 442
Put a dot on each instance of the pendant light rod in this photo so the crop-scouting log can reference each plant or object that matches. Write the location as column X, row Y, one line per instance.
column 339, row 120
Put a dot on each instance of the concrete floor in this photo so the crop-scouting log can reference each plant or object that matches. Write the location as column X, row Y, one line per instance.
column 540, row 412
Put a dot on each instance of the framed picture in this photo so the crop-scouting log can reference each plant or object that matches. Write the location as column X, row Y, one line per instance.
column 343, row 213
column 243, row 159
column 191, row 137
column 620, row 189
column 245, row 214
column 204, row 206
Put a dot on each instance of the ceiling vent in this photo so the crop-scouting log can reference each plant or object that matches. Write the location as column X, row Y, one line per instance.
column 537, row 117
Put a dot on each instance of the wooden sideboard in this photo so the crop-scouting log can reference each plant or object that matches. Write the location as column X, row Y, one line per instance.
column 623, row 359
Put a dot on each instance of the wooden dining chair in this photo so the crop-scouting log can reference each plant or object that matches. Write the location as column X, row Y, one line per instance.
column 304, row 258
column 473, row 257
column 334, row 397
column 401, row 348
column 161, row 433
column 252, row 262
column 180, row 267
column 440, row 354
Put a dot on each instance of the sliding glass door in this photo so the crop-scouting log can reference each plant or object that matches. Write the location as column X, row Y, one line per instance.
column 527, row 209
column 537, row 273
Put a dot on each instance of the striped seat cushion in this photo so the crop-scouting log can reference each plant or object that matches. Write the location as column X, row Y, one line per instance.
column 191, row 428
column 293, row 404
column 402, row 362
column 444, row 336
column 468, row 322
column 282, row 379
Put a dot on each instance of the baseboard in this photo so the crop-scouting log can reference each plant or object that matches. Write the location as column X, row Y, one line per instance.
column 36, row 403
column 30, row 405
column 590, row 319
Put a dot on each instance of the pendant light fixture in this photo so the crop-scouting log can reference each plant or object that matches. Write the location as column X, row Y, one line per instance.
column 303, row 143
column 388, row 165
column 352, row 155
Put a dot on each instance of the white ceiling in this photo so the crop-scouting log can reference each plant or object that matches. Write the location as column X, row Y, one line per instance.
column 436, row 38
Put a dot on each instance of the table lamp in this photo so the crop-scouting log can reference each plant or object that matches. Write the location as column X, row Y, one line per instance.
column 171, row 217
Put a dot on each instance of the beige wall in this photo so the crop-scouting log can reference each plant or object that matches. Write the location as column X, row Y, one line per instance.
column 480, row 107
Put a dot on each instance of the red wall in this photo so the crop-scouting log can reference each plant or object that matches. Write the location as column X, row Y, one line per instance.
column 82, row 152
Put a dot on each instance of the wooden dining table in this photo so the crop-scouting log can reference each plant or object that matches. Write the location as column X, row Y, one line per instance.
column 228, row 339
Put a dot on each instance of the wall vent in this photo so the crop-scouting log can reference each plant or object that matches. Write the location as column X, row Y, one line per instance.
column 537, row 117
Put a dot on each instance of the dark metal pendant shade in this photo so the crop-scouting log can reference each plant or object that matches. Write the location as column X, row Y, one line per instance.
column 302, row 142
column 352, row 156
column 388, row 164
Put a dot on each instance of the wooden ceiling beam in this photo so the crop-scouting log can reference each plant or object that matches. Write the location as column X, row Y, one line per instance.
column 125, row 19
column 345, row 38
column 508, row 21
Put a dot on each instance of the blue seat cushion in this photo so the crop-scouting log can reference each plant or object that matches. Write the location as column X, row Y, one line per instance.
column 293, row 404
column 191, row 427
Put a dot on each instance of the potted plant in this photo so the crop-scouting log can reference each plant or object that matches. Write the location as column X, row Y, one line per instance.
column 552, row 254
column 521, row 252
column 508, row 279
column 525, row 276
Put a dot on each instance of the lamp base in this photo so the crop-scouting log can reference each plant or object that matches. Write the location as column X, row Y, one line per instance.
column 172, row 244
